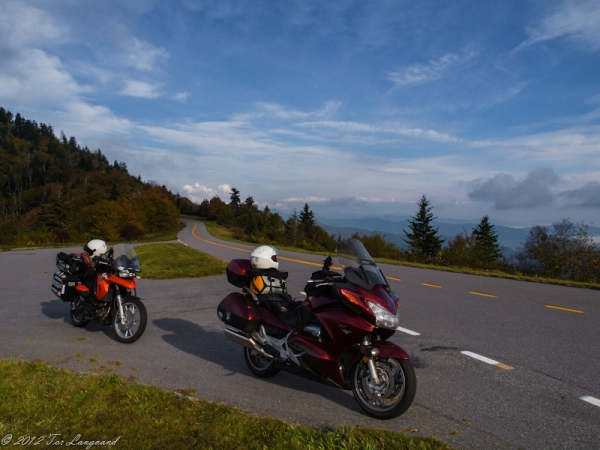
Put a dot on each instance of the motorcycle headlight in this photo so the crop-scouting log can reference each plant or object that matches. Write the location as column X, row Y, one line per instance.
column 383, row 318
column 126, row 274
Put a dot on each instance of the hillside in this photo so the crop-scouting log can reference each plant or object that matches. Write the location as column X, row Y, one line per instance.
column 53, row 191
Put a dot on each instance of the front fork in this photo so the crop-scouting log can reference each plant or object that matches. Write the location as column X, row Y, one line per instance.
column 369, row 355
column 119, row 304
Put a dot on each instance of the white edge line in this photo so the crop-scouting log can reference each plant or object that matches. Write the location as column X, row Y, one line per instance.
column 182, row 242
column 412, row 333
column 592, row 400
column 480, row 358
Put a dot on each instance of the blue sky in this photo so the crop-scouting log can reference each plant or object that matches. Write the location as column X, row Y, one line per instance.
column 354, row 107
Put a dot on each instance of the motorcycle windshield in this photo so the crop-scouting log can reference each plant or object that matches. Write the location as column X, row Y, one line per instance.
column 354, row 257
column 125, row 258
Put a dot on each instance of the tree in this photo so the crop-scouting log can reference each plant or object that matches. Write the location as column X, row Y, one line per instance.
column 565, row 251
column 423, row 237
column 234, row 200
column 459, row 251
column 307, row 221
column 487, row 248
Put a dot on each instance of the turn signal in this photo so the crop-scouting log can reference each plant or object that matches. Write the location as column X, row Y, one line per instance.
column 352, row 297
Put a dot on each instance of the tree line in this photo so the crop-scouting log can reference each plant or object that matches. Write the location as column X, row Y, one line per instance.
column 249, row 223
column 563, row 251
column 52, row 191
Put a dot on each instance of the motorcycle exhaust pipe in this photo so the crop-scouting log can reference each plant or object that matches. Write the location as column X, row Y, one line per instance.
column 239, row 337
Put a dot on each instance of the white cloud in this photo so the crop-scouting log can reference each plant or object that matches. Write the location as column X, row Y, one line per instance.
column 34, row 78
column 305, row 200
column 22, row 25
column 141, row 89
column 198, row 192
column 385, row 129
column 578, row 21
column 566, row 147
column 433, row 70
column 142, row 55
column 181, row 97
column 400, row 170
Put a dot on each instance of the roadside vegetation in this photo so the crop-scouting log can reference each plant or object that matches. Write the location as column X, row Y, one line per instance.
column 563, row 254
column 168, row 261
column 40, row 401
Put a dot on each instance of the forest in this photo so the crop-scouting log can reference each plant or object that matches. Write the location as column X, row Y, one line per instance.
column 54, row 191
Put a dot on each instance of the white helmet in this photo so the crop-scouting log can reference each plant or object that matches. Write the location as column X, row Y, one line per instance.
column 264, row 257
column 96, row 247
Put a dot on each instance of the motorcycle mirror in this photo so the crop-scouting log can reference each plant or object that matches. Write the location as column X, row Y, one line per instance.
column 327, row 264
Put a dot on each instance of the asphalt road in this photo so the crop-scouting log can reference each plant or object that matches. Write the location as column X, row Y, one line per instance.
column 538, row 388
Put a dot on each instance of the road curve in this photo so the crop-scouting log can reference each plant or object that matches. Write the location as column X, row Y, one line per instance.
column 498, row 365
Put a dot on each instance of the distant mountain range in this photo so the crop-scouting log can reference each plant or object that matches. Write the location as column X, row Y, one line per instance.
column 392, row 227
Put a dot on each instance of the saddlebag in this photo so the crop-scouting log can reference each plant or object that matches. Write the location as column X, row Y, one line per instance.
column 63, row 285
column 70, row 264
column 238, row 312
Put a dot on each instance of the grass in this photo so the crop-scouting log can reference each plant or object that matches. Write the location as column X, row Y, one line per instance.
column 38, row 400
column 223, row 233
column 492, row 273
column 168, row 261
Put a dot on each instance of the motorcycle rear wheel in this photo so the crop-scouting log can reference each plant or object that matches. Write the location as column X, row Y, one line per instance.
column 77, row 318
column 259, row 365
column 135, row 321
column 393, row 396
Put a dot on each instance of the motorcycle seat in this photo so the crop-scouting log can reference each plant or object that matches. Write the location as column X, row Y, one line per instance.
column 284, row 307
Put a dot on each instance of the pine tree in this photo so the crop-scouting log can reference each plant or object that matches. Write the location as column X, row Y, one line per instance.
column 424, row 238
column 234, row 200
column 307, row 221
column 487, row 248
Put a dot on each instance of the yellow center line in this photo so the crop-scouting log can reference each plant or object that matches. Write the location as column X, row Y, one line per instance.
column 483, row 294
column 393, row 278
column 564, row 309
column 504, row 366
column 431, row 285
column 216, row 243
column 250, row 251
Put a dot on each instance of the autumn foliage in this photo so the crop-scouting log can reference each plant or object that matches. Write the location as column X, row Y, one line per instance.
column 54, row 191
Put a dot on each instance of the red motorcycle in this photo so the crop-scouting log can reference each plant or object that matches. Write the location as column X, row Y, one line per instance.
column 103, row 290
column 338, row 335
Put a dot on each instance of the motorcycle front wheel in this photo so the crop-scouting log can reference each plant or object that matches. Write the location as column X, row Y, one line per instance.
column 259, row 365
column 134, row 324
column 395, row 392
column 77, row 317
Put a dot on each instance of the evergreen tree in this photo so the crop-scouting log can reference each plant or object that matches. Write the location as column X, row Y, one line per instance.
column 423, row 237
column 307, row 221
column 234, row 199
column 487, row 248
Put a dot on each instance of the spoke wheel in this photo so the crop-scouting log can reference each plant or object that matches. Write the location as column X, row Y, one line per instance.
column 134, row 324
column 77, row 317
column 259, row 365
column 395, row 392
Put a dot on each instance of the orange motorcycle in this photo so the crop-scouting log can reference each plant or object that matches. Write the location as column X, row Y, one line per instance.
column 106, row 294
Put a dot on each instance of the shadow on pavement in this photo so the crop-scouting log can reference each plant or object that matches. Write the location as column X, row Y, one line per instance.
column 215, row 347
column 58, row 309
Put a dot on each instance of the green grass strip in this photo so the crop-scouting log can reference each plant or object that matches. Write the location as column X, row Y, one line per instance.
column 40, row 401
column 168, row 261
